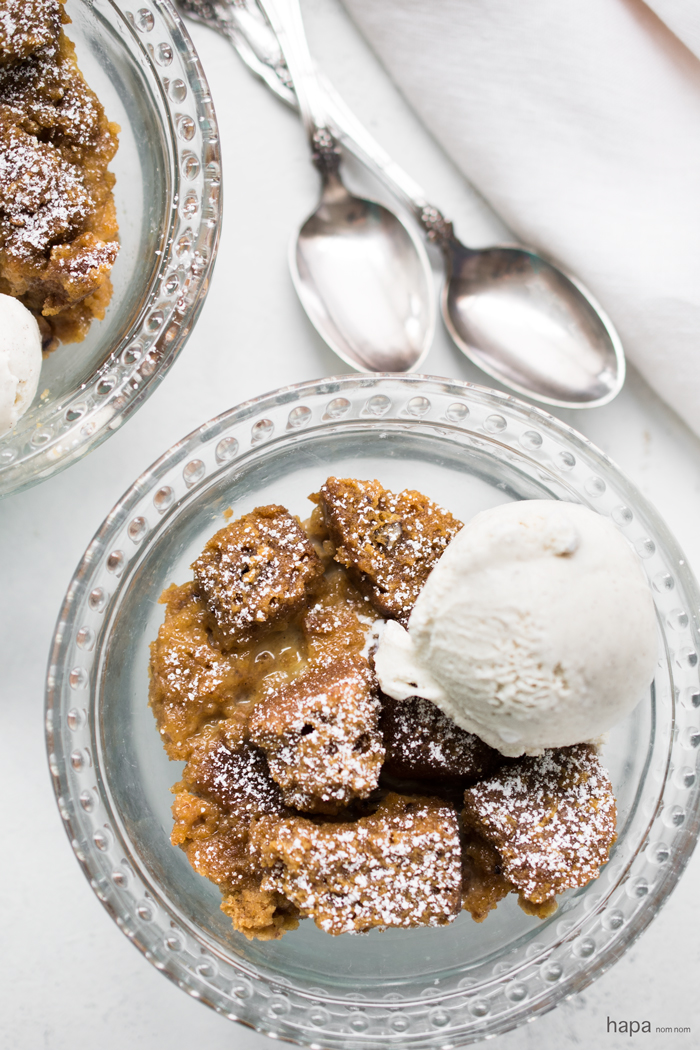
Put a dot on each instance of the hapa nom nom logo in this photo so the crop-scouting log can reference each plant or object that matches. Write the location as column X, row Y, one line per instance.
column 633, row 1027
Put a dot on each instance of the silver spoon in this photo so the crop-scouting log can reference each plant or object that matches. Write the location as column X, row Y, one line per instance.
column 362, row 276
column 521, row 319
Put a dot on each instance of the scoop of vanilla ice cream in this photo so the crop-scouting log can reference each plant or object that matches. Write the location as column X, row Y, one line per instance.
column 535, row 629
column 20, row 360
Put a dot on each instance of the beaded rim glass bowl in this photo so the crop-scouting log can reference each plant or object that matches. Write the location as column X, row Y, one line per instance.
column 141, row 63
column 468, row 448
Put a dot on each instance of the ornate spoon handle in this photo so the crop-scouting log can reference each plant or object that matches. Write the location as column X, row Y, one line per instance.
column 285, row 19
column 355, row 137
column 258, row 44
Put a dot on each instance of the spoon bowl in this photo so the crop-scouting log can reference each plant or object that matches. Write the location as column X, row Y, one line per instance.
column 362, row 283
column 530, row 326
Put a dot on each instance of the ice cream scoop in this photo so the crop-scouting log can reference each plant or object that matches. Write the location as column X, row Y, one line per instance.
column 20, row 360
column 536, row 629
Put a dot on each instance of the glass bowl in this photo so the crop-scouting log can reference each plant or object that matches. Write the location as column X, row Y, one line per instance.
column 468, row 448
column 140, row 61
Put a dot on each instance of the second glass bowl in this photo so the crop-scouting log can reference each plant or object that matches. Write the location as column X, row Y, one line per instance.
column 468, row 449
column 140, row 61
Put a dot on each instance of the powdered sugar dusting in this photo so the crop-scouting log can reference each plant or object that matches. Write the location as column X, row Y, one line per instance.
column 552, row 819
column 236, row 778
column 388, row 541
column 58, row 226
column 254, row 572
column 321, row 737
column 26, row 28
column 422, row 742
column 399, row 867
column 43, row 198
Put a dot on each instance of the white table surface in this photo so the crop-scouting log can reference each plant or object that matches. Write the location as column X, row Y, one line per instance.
column 69, row 978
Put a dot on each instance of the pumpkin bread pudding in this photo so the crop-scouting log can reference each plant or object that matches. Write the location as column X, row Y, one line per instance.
column 308, row 793
column 58, row 225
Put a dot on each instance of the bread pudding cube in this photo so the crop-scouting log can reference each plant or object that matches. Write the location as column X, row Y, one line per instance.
column 422, row 743
column 321, row 737
column 551, row 817
column 225, row 786
column 401, row 866
column 256, row 573
column 388, row 542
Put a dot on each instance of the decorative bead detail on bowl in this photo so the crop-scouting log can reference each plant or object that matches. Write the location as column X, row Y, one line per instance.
column 378, row 405
column 531, row 440
column 457, row 412
column 226, row 450
column 337, row 408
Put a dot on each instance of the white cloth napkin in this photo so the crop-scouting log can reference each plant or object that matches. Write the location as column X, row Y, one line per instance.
column 579, row 121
